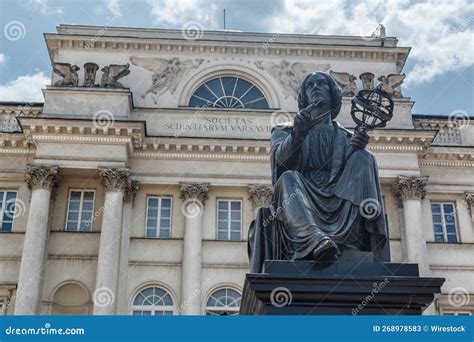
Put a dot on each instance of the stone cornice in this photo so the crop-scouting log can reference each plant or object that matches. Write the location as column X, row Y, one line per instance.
column 21, row 109
column 133, row 135
column 84, row 43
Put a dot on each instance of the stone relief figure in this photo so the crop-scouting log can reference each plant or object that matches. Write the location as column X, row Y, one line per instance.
column 391, row 84
column 166, row 73
column 327, row 197
column 90, row 70
column 346, row 81
column 367, row 79
column 112, row 73
column 289, row 74
column 68, row 72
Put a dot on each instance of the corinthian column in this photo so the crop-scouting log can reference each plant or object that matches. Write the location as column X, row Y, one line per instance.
column 40, row 180
column 411, row 191
column 260, row 195
column 116, row 182
column 194, row 196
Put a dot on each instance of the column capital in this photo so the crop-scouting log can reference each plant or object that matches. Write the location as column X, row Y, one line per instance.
column 114, row 179
column 42, row 176
column 196, row 191
column 468, row 198
column 131, row 191
column 260, row 195
column 410, row 187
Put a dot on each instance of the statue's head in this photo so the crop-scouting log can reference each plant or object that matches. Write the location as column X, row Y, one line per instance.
column 320, row 87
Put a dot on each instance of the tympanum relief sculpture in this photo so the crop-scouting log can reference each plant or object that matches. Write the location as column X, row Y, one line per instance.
column 167, row 73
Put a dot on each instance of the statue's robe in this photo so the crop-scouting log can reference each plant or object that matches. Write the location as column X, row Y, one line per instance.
column 318, row 192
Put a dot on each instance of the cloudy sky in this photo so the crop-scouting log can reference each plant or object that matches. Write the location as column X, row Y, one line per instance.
column 439, row 69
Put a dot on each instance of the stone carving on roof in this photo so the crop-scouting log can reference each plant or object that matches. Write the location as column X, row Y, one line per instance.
column 166, row 73
column 68, row 73
column 367, row 79
column 346, row 81
column 112, row 73
column 290, row 75
column 391, row 84
column 90, row 70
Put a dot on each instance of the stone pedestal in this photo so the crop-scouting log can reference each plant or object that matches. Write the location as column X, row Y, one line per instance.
column 338, row 288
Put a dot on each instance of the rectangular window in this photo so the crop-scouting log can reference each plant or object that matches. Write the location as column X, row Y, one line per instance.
column 444, row 222
column 2, row 308
column 80, row 210
column 229, row 220
column 158, row 217
column 7, row 210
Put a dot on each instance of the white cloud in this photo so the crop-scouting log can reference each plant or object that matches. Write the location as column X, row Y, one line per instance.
column 440, row 33
column 25, row 88
column 172, row 12
column 114, row 7
column 3, row 59
column 43, row 7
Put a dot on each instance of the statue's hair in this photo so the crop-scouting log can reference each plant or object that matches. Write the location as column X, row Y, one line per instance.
column 336, row 94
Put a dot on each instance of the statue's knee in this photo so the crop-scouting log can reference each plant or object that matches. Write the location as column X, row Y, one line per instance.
column 289, row 175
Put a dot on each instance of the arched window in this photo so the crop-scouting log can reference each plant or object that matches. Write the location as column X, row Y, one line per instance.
column 228, row 92
column 223, row 302
column 152, row 301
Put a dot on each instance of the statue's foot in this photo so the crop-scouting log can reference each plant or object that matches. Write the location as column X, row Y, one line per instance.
column 326, row 250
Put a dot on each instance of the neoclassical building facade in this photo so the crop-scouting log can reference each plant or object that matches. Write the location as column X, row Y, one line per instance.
column 130, row 190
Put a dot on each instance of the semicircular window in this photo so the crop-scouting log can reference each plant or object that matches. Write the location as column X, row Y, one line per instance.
column 228, row 92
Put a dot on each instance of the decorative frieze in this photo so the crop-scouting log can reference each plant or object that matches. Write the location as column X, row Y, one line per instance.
column 260, row 195
column 115, row 179
column 410, row 187
column 195, row 191
column 42, row 177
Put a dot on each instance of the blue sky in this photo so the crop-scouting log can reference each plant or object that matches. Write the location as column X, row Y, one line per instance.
column 439, row 69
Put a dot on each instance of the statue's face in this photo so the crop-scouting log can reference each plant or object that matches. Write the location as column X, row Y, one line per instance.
column 318, row 90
